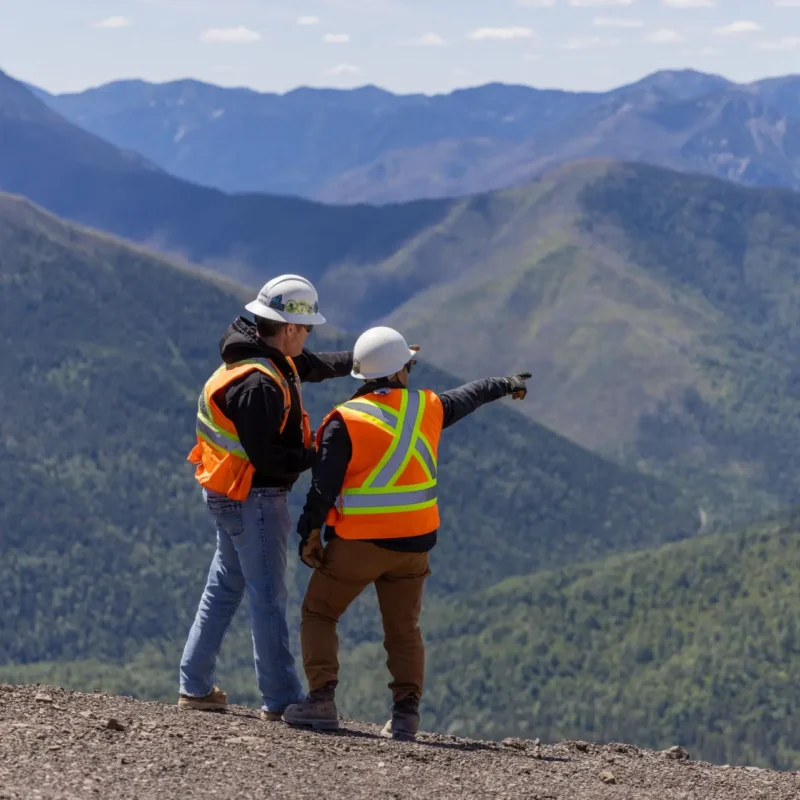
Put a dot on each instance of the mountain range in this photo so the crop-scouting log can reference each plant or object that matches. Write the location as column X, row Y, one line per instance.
column 371, row 145
column 105, row 542
column 657, row 309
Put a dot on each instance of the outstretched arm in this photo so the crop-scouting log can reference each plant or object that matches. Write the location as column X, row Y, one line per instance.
column 316, row 367
column 459, row 403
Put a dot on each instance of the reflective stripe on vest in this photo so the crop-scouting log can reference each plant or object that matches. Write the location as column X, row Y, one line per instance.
column 216, row 435
column 380, row 494
column 388, row 417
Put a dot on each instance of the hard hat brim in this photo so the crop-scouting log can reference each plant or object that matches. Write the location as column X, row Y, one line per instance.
column 369, row 376
column 265, row 312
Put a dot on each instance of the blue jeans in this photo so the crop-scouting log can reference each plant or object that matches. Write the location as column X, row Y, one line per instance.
column 252, row 538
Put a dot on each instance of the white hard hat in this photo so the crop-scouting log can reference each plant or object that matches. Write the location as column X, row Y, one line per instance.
column 288, row 298
column 379, row 353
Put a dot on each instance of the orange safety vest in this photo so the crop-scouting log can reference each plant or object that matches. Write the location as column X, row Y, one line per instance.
column 222, row 463
column 389, row 489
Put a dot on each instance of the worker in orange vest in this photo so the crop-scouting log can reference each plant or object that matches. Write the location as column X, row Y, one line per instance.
column 374, row 486
column 253, row 441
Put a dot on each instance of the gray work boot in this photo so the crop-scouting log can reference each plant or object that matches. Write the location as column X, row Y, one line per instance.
column 404, row 724
column 317, row 711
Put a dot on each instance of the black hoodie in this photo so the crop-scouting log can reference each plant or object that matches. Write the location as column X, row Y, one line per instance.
column 254, row 403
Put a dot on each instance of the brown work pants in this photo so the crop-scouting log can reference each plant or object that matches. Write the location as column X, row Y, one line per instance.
column 349, row 567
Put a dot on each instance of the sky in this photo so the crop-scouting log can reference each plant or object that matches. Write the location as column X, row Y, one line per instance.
column 428, row 46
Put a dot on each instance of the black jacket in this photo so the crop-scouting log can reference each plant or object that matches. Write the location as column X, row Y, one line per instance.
column 336, row 450
column 254, row 403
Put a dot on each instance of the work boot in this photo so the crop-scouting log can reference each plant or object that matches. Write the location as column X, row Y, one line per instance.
column 272, row 716
column 404, row 724
column 216, row 701
column 317, row 711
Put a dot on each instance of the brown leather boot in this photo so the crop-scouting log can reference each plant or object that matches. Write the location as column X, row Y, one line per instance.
column 404, row 724
column 216, row 701
column 317, row 711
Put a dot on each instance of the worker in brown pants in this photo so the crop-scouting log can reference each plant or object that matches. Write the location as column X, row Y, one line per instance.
column 374, row 486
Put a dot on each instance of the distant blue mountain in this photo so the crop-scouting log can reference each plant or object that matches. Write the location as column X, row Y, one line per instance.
column 370, row 145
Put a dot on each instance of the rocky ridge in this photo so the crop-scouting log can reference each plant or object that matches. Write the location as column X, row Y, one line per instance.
column 57, row 744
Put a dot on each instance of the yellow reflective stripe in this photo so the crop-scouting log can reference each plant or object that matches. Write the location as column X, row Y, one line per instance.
column 424, row 439
column 393, row 445
column 388, row 509
column 413, row 497
column 401, row 445
column 395, row 490
column 221, row 448
column 424, row 453
column 206, row 421
column 217, row 437
column 413, row 443
column 421, row 461
column 373, row 408
column 380, row 493
column 369, row 418
column 382, row 406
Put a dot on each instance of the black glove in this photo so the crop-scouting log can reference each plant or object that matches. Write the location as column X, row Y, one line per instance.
column 515, row 385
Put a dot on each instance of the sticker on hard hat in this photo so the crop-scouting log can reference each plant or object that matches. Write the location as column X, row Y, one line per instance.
column 294, row 306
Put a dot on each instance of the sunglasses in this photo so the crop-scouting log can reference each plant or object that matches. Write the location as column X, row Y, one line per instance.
column 410, row 365
column 309, row 328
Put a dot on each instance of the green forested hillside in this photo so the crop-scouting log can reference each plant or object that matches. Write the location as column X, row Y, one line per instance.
column 105, row 542
column 655, row 309
column 658, row 312
column 697, row 643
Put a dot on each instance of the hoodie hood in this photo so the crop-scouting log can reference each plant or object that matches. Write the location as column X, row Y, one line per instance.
column 241, row 341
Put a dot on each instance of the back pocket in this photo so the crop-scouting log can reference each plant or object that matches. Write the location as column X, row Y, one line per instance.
column 227, row 512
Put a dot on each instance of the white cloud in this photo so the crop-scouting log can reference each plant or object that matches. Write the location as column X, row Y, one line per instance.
column 617, row 22
column 113, row 22
column 532, row 57
column 690, row 3
column 502, row 33
column 663, row 36
column 740, row 26
column 787, row 3
column 308, row 20
column 239, row 35
column 784, row 43
column 337, row 38
column 192, row 6
column 702, row 52
column 426, row 40
column 589, row 42
column 344, row 69
column 535, row 3
column 600, row 3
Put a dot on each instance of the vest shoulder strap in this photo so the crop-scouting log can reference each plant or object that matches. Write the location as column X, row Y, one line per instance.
column 227, row 373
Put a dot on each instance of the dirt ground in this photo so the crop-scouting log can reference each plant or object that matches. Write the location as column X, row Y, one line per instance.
column 65, row 745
